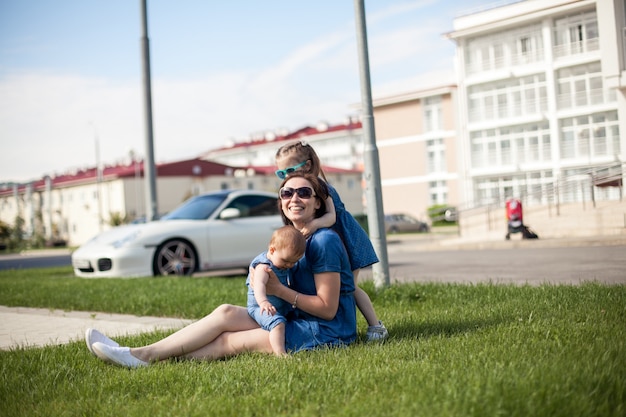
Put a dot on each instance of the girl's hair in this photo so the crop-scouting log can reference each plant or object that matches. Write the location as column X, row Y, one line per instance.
column 302, row 151
column 289, row 238
column 319, row 187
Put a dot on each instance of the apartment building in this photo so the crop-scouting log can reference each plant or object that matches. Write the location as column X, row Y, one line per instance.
column 416, row 137
column 339, row 145
column 78, row 205
column 541, row 88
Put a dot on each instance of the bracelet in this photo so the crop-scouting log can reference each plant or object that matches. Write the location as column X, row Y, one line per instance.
column 295, row 301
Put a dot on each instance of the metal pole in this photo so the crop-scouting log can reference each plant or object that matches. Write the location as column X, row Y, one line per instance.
column 99, row 181
column 373, row 189
column 149, row 166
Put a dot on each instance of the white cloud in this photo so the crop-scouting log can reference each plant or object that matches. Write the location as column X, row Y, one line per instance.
column 45, row 121
column 45, row 118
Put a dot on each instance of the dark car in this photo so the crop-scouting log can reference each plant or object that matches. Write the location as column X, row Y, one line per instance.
column 400, row 222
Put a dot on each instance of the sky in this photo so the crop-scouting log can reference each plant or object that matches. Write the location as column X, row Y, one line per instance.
column 71, row 89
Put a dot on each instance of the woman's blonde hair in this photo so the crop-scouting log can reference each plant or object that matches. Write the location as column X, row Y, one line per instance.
column 302, row 151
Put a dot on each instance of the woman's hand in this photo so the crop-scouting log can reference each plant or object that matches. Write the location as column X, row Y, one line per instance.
column 273, row 286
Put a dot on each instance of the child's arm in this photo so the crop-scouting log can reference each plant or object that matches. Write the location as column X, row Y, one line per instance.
column 327, row 220
column 259, row 279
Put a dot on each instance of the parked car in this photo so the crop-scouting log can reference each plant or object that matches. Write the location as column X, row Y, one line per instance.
column 224, row 229
column 400, row 222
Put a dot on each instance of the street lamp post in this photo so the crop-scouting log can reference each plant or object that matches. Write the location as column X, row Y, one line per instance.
column 375, row 212
column 149, row 167
column 98, row 175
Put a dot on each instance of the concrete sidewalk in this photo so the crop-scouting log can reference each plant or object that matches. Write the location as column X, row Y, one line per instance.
column 28, row 327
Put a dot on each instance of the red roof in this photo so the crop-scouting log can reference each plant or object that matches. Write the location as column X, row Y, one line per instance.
column 197, row 167
column 304, row 132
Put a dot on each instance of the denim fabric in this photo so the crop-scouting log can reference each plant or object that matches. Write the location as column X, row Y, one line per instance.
column 358, row 244
column 265, row 320
column 324, row 253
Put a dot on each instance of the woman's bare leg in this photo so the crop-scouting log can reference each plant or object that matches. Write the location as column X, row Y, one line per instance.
column 233, row 343
column 197, row 335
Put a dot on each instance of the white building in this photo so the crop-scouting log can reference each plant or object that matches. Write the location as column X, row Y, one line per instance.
column 77, row 206
column 541, row 98
column 339, row 146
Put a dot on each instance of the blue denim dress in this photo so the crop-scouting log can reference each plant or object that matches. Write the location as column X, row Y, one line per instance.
column 358, row 244
column 266, row 321
column 324, row 253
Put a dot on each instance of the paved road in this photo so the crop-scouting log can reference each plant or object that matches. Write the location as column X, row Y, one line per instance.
column 35, row 259
column 571, row 261
column 426, row 258
column 568, row 265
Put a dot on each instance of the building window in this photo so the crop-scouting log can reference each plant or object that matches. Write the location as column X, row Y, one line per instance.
column 504, row 49
column 581, row 86
column 436, row 155
column 432, row 114
column 520, row 97
column 438, row 192
column 510, row 146
column 589, row 136
column 576, row 34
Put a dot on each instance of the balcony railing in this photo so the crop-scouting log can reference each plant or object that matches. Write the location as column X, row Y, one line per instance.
column 494, row 112
column 508, row 61
column 585, row 98
column 509, row 157
column 575, row 48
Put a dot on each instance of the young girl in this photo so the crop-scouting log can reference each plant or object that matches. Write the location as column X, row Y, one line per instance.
column 300, row 156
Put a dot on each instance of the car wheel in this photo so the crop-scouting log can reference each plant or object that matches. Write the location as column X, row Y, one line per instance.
column 175, row 257
column 393, row 230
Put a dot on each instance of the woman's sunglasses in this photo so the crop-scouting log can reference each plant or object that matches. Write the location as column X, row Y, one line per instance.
column 286, row 193
column 282, row 173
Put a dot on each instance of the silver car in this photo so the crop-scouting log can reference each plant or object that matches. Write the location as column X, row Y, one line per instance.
column 224, row 229
column 400, row 222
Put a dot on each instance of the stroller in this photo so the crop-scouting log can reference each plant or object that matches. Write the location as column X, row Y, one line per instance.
column 515, row 223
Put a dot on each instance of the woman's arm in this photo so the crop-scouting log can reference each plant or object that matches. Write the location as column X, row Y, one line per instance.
column 327, row 220
column 323, row 305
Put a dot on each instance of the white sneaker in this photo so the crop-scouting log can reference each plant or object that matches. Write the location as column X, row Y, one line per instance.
column 116, row 355
column 92, row 336
column 377, row 333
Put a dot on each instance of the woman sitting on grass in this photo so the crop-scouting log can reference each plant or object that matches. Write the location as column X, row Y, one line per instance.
column 321, row 295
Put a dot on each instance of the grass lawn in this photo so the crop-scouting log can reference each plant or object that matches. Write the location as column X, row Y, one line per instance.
column 454, row 350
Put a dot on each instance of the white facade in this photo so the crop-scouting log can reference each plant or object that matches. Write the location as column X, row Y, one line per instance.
column 337, row 146
column 74, row 208
column 541, row 97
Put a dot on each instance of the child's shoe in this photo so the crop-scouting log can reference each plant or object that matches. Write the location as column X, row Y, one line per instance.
column 377, row 333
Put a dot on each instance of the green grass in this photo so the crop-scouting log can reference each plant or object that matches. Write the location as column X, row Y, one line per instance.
column 454, row 350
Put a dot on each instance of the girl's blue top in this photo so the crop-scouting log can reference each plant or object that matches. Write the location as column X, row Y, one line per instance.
column 358, row 244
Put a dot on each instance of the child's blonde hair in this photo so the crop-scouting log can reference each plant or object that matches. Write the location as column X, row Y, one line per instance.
column 288, row 237
column 302, row 151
